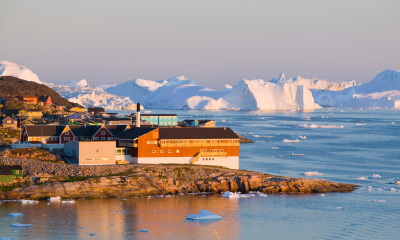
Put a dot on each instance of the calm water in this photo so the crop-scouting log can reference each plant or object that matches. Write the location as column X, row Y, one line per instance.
column 343, row 155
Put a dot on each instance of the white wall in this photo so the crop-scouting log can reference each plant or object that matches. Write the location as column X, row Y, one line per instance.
column 124, row 157
column 229, row 162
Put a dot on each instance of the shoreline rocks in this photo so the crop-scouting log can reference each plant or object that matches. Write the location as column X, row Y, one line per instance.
column 140, row 180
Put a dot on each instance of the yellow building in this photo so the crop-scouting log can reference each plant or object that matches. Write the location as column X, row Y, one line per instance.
column 77, row 109
column 33, row 113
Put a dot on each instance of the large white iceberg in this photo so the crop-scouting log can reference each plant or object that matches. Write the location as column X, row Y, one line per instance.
column 317, row 126
column 383, row 92
column 12, row 69
column 203, row 215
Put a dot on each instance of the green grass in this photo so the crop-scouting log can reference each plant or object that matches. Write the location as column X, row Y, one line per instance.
column 162, row 176
column 8, row 188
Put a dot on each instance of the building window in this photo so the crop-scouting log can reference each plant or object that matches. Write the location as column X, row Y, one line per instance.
column 96, row 138
column 148, row 142
column 154, row 151
column 177, row 151
column 211, row 150
column 109, row 138
column 161, row 151
column 205, row 150
column 103, row 133
column 155, row 142
column 169, row 151
column 151, row 142
column 213, row 159
column 103, row 138
column 16, row 171
column 66, row 133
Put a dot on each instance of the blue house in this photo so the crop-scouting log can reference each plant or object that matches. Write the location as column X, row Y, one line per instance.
column 162, row 120
column 76, row 117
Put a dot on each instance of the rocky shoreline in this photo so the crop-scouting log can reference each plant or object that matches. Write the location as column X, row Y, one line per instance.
column 141, row 180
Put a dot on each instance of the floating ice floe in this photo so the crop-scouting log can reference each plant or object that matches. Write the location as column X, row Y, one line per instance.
column 322, row 195
column 275, row 147
column 15, row 215
column 317, row 126
column 54, row 199
column 300, row 137
column 374, row 176
column 247, row 195
column 159, row 195
column 230, row 195
column 68, row 201
column 378, row 189
column 306, row 118
column 390, row 189
column 360, row 124
column 143, row 230
column 92, row 234
column 262, row 195
column 361, row 178
column 290, row 141
column 269, row 136
column 298, row 154
column 203, row 215
column 20, row 225
column 28, row 201
column 378, row 200
column 338, row 207
column 312, row 173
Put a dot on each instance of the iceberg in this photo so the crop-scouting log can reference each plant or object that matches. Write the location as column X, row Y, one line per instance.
column 290, row 141
column 68, row 201
column 20, row 225
column 203, row 215
column 262, row 195
column 55, row 199
column 298, row 154
column 23, row 201
column 378, row 200
column 361, row 178
column 312, row 173
column 374, row 176
column 143, row 230
column 230, row 195
column 12, row 69
column 15, row 215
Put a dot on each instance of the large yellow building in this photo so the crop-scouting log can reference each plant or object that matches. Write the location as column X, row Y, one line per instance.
column 33, row 113
column 77, row 109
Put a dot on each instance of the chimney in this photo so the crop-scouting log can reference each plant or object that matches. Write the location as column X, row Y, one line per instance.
column 138, row 115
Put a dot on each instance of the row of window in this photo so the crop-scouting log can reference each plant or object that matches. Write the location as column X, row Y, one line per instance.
column 201, row 141
column 208, row 159
column 161, row 117
column 96, row 158
column 44, row 139
column 123, row 151
column 169, row 151
column 212, row 150
column 102, row 133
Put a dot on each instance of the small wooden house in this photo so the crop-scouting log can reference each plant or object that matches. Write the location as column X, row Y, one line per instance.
column 6, row 175
column 17, row 170
column 27, row 98
column 8, row 122
column 45, row 100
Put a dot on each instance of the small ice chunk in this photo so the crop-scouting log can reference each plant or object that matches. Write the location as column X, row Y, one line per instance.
column 228, row 194
column 92, row 234
column 55, row 199
column 203, row 215
column 290, row 141
column 312, row 173
column 338, row 208
column 378, row 200
column 275, row 147
column 374, row 176
column 262, row 195
column 15, row 215
column 300, row 137
column 28, row 201
column 378, row 189
column 298, row 154
column 137, row 222
column 143, row 230
column 20, row 225
column 68, row 201
column 317, row 126
column 247, row 195
column 361, row 178
column 322, row 195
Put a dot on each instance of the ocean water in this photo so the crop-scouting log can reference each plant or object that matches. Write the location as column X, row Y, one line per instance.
column 341, row 154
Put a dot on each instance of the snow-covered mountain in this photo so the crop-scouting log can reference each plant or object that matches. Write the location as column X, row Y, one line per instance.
column 76, row 83
column 12, row 69
column 382, row 91
column 313, row 83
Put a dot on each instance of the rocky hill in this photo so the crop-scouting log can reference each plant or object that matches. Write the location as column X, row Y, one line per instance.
column 14, row 86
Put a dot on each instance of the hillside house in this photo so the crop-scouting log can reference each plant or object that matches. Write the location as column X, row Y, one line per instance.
column 6, row 175
column 96, row 110
column 30, row 113
column 76, row 117
column 77, row 109
column 17, row 170
column 27, row 99
column 8, row 122
column 162, row 120
column 45, row 100
column 198, row 123
column 117, row 121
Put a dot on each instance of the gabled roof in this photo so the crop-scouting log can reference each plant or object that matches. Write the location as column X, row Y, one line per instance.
column 44, row 98
column 115, row 129
column 16, row 167
column 197, row 133
column 84, row 131
column 5, row 170
column 43, row 130
column 4, row 118
column 133, row 133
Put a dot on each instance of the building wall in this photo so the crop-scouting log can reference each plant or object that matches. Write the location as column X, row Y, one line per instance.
column 6, row 178
column 100, row 153
column 67, row 133
column 229, row 162
column 106, row 135
column 161, row 120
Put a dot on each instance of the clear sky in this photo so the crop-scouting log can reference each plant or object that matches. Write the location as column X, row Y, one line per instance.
column 212, row 42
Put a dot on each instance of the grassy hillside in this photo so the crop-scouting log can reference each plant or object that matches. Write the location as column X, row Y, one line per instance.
column 14, row 86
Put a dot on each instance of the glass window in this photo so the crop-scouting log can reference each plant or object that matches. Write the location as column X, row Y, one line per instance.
column 66, row 133
column 103, row 138
column 103, row 133
column 155, row 142
column 161, row 151
column 177, row 151
column 169, row 151
column 148, row 142
column 154, row 151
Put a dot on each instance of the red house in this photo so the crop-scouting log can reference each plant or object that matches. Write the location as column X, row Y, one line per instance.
column 45, row 100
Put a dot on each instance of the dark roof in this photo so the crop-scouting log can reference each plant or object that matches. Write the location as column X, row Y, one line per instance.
column 116, row 129
column 48, row 130
column 96, row 109
column 43, row 98
column 145, row 125
column 133, row 133
column 15, row 167
column 117, row 119
column 82, row 130
column 197, row 133
column 3, row 118
column 27, row 96
column 5, row 170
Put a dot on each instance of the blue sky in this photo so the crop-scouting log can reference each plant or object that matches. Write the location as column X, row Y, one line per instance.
column 211, row 42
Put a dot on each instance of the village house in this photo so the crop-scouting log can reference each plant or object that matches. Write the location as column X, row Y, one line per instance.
column 27, row 99
column 76, row 117
column 117, row 121
column 109, row 115
column 198, row 123
column 6, row 175
column 96, row 110
column 8, row 122
column 45, row 100
column 30, row 113
column 162, row 120
column 77, row 109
